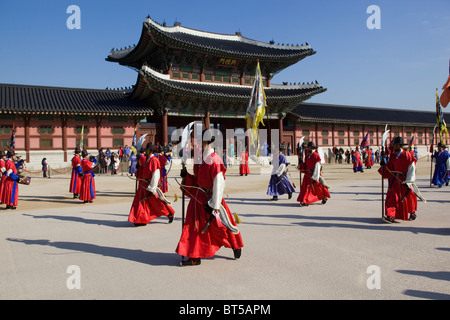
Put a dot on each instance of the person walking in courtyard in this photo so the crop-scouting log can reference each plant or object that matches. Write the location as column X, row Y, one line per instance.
column 87, row 191
column 400, row 171
column 10, row 187
column 2, row 171
column 243, row 167
column 356, row 159
column 204, row 233
column 441, row 159
column 279, row 183
column 77, row 174
column 147, row 203
column 311, row 189
column 44, row 167
column 133, row 163
column 369, row 159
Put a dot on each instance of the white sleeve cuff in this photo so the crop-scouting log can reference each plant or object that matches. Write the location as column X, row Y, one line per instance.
column 154, row 182
column 280, row 169
column 411, row 174
column 217, row 193
column 316, row 174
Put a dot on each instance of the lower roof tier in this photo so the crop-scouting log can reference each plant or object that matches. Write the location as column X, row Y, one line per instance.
column 341, row 114
column 162, row 93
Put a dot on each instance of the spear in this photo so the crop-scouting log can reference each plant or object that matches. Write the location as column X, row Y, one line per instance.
column 431, row 151
column 383, row 160
column 300, row 159
column 185, row 137
column 139, row 145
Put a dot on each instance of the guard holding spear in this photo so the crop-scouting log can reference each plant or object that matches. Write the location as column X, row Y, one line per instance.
column 209, row 224
column 400, row 172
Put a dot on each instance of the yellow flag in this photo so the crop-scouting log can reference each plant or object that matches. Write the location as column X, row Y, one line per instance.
column 440, row 119
column 257, row 106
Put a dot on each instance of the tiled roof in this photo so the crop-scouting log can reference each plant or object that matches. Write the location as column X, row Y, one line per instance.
column 235, row 46
column 28, row 99
column 353, row 114
column 158, row 81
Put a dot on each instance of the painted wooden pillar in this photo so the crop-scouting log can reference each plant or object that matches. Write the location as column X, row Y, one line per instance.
column 97, row 128
column 164, row 124
column 207, row 121
column 348, row 136
column 316, row 129
column 280, row 125
column 64, row 136
column 333, row 136
column 27, row 137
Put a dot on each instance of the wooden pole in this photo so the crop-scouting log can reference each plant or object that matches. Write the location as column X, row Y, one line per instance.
column 182, row 200
column 382, row 193
column 431, row 168
column 431, row 158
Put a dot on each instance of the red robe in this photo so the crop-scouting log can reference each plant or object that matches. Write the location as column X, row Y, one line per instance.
column 87, row 190
column 311, row 192
column 357, row 165
column 192, row 243
column 369, row 161
column 2, row 175
column 141, row 162
column 243, row 168
column 10, row 188
column 399, row 200
column 146, row 206
column 75, row 179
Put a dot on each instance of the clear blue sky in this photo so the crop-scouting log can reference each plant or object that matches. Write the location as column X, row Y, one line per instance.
column 398, row 66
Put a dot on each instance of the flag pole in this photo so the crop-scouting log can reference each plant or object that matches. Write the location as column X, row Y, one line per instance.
column 431, row 159
column 382, row 193
column 383, row 163
column 182, row 199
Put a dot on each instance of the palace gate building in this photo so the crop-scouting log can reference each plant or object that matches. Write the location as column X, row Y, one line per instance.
column 186, row 75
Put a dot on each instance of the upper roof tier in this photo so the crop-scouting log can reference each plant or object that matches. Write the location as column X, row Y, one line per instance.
column 155, row 36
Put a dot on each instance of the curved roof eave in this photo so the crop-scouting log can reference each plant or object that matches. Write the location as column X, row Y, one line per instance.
column 221, row 44
column 224, row 91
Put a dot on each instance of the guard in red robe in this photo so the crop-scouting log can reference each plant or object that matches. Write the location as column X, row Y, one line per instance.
column 357, row 163
column 369, row 160
column 311, row 189
column 77, row 174
column 147, row 205
column 87, row 190
column 2, row 171
column 10, row 187
column 243, row 167
column 205, row 189
column 399, row 170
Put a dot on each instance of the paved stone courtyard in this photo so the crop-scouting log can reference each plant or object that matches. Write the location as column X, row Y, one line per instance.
column 54, row 247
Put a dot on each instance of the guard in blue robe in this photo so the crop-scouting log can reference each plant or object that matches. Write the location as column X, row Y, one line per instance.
column 279, row 183
column 441, row 158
